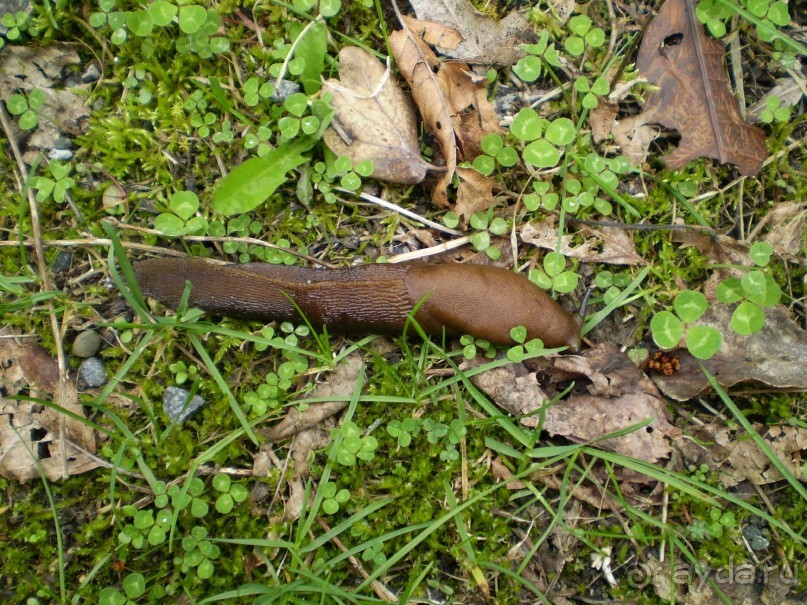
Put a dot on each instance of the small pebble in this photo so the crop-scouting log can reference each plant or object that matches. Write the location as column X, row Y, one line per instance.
column 92, row 372
column 91, row 74
column 285, row 90
column 62, row 262
column 60, row 155
column 174, row 400
column 756, row 538
column 86, row 344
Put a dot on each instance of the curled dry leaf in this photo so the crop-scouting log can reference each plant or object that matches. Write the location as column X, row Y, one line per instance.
column 608, row 245
column 374, row 119
column 618, row 396
column 483, row 40
column 737, row 458
column 474, row 193
column 452, row 101
column 774, row 356
column 415, row 61
column 694, row 96
column 32, row 433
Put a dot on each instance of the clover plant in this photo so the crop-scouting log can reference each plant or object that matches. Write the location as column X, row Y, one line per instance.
column 57, row 187
column 542, row 137
column 754, row 290
column 495, row 152
column 404, row 430
column 668, row 327
column 333, row 498
column 583, row 35
column 554, row 274
column 230, row 493
column 26, row 107
column 539, row 56
column 353, row 446
column 517, row 353
column 774, row 111
column 182, row 218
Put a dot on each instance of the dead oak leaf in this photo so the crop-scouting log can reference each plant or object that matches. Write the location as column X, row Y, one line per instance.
column 774, row 356
column 618, row 396
column 33, row 434
column 694, row 96
column 485, row 41
column 374, row 119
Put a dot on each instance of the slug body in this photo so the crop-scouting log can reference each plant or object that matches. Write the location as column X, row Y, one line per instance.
column 486, row 302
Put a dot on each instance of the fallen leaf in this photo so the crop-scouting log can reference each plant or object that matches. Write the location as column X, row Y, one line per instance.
column 374, row 119
column 339, row 384
column 415, row 62
column 472, row 114
column 434, row 34
column 737, row 458
column 608, row 245
column 634, row 136
column 773, row 356
column 694, row 95
column 32, row 433
column 602, row 120
column 786, row 231
column 474, row 193
column 484, row 40
column 617, row 396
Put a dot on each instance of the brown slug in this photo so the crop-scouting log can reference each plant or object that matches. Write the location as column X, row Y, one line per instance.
column 486, row 302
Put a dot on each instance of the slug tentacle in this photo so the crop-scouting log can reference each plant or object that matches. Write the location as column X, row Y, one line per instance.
column 486, row 302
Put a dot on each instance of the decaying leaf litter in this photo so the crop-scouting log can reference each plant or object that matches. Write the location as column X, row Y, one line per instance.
column 375, row 119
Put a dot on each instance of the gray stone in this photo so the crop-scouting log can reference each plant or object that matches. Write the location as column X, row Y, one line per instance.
column 285, row 90
column 92, row 372
column 60, row 155
column 91, row 73
column 86, row 344
column 174, row 404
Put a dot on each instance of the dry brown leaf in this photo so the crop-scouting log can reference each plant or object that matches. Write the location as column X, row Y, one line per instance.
column 472, row 114
column 618, row 396
column 484, row 40
column 32, row 433
column 786, row 231
column 434, row 34
column 415, row 61
column 774, row 356
column 602, row 120
column 634, row 136
column 608, row 245
column 340, row 383
column 374, row 119
column 474, row 193
column 694, row 95
column 631, row 134
column 737, row 458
